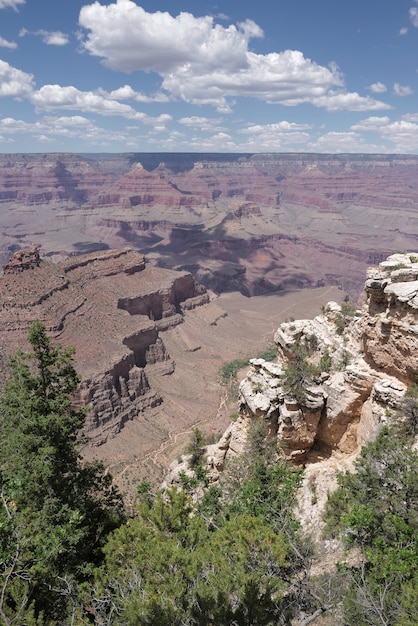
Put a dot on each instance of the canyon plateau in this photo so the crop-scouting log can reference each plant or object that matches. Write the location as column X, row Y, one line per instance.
column 149, row 344
column 145, row 263
column 252, row 223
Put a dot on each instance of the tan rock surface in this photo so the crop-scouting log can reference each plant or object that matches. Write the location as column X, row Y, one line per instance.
column 147, row 346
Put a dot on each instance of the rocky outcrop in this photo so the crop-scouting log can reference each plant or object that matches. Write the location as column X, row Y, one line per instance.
column 348, row 371
column 371, row 357
column 112, row 307
column 332, row 396
column 23, row 260
column 390, row 332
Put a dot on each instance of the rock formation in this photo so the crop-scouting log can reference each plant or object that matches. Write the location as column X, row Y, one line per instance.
column 254, row 223
column 353, row 368
column 112, row 306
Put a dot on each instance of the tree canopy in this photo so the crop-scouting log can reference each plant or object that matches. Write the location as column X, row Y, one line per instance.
column 56, row 511
column 375, row 510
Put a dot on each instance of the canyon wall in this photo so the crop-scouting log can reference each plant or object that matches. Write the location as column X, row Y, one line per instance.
column 112, row 307
column 337, row 378
column 256, row 223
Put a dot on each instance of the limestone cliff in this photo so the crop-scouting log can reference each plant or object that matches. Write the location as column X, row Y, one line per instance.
column 354, row 368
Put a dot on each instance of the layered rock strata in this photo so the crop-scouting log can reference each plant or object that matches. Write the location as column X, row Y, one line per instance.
column 112, row 306
column 256, row 223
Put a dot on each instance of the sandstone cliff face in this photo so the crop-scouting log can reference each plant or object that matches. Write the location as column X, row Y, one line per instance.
column 361, row 364
column 112, row 307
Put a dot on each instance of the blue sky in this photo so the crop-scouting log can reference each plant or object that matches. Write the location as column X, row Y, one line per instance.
column 168, row 76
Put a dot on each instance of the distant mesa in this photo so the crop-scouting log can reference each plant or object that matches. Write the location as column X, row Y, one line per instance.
column 253, row 223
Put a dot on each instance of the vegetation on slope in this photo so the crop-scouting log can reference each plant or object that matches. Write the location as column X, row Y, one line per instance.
column 55, row 512
column 375, row 510
column 70, row 555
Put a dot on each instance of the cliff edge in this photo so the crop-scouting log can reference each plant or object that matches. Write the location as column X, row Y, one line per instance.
column 337, row 378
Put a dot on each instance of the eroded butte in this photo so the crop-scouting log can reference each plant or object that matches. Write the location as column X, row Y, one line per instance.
column 253, row 223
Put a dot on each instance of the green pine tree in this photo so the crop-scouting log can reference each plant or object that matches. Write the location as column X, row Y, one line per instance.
column 55, row 511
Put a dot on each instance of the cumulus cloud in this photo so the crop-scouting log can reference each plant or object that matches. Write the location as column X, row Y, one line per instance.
column 372, row 123
column 128, row 93
column 278, row 127
column 377, row 87
column 50, row 38
column 400, row 90
column 276, row 136
column 349, row 101
column 13, row 4
column 205, row 124
column 49, row 128
column 53, row 38
column 403, row 133
column 403, row 31
column 58, row 97
column 410, row 117
column 341, row 142
column 7, row 44
column 128, row 38
column 202, row 62
column 13, row 82
column 52, row 97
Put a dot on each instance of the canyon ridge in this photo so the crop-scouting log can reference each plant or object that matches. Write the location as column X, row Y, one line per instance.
column 251, row 223
column 145, row 263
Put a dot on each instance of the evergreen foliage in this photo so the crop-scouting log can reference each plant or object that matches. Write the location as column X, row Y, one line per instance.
column 70, row 557
column 225, row 561
column 55, row 512
column 375, row 509
column 299, row 372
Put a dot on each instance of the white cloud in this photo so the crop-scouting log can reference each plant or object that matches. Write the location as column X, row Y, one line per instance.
column 377, row 87
column 410, row 117
column 202, row 62
column 50, row 38
column 128, row 38
column 49, row 129
column 276, row 136
column 127, row 93
column 372, row 123
column 400, row 90
column 71, row 98
column 13, row 4
column 413, row 16
column 349, row 101
column 7, row 44
column 51, row 97
column 340, row 142
column 53, row 38
column 403, row 134
column 204, row 124
column 13, row 82
column 278, row 127
column 403, row 31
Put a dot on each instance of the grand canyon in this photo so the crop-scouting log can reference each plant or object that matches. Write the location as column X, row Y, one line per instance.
column 159, row 268
column 252, row 223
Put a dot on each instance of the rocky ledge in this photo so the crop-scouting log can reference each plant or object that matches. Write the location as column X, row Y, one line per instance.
column 337, row 377
column 112, row 306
